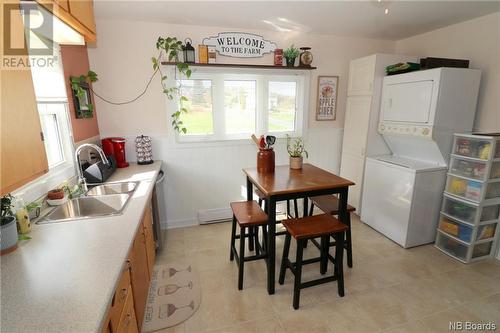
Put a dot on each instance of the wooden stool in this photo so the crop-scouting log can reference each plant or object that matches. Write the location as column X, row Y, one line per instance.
column 247, row 214
column 329, row 204
column 311, row 227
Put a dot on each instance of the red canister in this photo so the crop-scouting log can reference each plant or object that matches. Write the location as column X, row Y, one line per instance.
column 265, row 160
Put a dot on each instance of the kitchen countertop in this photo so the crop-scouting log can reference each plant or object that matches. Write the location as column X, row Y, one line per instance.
column 63, row 279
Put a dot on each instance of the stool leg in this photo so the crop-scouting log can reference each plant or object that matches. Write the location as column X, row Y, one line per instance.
column 296, row 208
column 233, row 238
column 264, row 238
column 324, row 254
column 284, row 258
column 251, row 238
column 288, row 208
column 260, row 202
column 339, row 258
column 349, row 241
column 241, row 263
column 311, row 210
column 256, row 240
column 298, row 274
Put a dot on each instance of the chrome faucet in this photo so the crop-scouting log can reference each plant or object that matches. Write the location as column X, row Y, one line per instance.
column 81, row 179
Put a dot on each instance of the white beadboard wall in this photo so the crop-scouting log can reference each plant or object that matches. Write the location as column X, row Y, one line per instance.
column 208, row 176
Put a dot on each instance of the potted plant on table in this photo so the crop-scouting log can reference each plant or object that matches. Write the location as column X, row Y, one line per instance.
column 8, row 226
column 296, row 150
column 290, row 55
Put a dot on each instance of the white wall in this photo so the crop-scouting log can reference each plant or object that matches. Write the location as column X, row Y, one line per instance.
column 477, row 40
column 207, row 176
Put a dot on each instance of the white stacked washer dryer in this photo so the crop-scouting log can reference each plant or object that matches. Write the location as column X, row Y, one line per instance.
column 419, row 113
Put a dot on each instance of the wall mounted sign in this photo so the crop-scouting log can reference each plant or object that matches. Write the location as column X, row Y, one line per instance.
column 327, row 97
column 240, row 44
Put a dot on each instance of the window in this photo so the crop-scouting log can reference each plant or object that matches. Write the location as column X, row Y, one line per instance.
column 229, row 106
column 54, row 122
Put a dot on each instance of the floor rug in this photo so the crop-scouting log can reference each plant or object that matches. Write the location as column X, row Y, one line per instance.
column 174, row 296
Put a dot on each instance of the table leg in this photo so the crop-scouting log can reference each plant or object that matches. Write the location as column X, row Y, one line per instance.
column 306, row 208
column 249, row 190
column 271, row 244
column 343, row 213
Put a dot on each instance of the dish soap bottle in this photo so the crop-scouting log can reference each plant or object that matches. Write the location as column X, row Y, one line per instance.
column 22, row 216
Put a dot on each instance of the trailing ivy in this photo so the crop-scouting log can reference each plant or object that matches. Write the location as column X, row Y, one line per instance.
column 169, row 47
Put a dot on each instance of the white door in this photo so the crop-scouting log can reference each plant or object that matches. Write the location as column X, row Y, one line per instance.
column 361, row 76
column 387, row 199
column 351, row 168
column 407, row 102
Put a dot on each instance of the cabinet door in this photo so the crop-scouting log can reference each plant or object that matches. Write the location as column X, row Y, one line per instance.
column 128, row 319
column 361, row 76
column 352, row 168
column 357, row 118
column 22, row 151
column 83, row 11
column 139, row 274
column 147, row 222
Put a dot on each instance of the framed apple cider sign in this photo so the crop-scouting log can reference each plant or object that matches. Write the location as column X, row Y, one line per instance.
column 327, row 98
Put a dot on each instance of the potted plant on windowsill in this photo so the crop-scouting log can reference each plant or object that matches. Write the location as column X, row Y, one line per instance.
column 295, row 148
column 8, row 226
column 290, row 55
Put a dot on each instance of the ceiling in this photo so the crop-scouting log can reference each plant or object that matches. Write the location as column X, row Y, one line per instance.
column 365, row 19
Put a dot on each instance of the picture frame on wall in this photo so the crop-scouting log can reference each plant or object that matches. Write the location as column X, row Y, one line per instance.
column 326, row 103
column 84, row 107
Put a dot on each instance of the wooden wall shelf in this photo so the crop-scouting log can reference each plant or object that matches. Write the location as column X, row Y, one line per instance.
column 240, row 66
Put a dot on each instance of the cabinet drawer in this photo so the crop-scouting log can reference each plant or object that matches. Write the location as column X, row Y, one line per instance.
column 123, row 290
column 128, row 321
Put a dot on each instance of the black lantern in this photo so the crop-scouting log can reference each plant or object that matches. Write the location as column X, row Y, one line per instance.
column 188, row 51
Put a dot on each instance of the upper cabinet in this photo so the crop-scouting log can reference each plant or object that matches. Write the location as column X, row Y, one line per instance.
column 22, row 150
column 78, row 14
column 361, row 76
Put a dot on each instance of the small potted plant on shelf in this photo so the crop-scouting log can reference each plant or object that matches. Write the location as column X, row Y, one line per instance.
column 8, row 226
column 290, row 55
column 295, row 148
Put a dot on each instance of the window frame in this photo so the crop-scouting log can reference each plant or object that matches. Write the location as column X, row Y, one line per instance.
column 65, row 133
column 262, row 77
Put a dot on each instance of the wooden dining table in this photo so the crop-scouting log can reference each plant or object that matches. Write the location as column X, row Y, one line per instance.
column 286, row 184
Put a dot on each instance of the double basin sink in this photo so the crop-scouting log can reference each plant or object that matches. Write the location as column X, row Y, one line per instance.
column 100, row 201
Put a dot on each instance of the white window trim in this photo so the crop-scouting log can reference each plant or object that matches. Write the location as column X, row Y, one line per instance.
column 63, row 170
column 217, row 76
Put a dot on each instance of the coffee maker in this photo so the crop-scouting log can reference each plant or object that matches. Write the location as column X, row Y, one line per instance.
column 115, row 146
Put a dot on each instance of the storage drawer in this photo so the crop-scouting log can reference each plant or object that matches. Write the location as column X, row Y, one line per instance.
column 451, row 246
column 481, row 250
column 123, row 290
column 472, row 190
column 473, row 147
column 455, row 229
column 486, row 231
column 468, row 168
column 467, row 212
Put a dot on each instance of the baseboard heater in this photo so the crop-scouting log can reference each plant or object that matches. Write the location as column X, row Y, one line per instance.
column 215, row 215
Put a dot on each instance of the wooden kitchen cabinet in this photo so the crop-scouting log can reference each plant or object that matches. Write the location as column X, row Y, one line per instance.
column 78, row 14
column 147, row 223
column 139, row 272
column 22, row 151
column 129, row 301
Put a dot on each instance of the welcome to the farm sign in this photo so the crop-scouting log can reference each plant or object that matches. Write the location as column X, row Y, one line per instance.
column 240, row 44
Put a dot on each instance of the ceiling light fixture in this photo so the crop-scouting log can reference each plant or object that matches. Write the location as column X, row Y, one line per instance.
column 386, row 11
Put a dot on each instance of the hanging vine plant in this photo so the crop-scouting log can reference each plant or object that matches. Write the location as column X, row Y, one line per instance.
column 169, row 47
